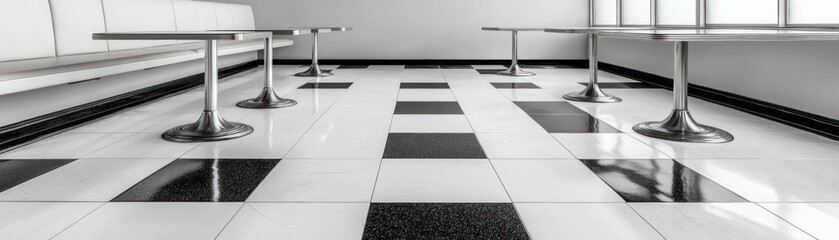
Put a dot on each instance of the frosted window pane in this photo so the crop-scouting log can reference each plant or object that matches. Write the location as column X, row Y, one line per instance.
column 636, row 12
column 814, row 12
column 676, row 12
column 742, row 11
column 606, row 12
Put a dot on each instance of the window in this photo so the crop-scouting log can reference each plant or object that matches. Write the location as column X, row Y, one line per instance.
column 636, row 12
column 763, row 12
column 676, row 12
column 606, row 12
column 814, row 12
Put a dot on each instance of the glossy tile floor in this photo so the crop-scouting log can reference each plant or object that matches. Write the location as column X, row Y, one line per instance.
column 423, row 152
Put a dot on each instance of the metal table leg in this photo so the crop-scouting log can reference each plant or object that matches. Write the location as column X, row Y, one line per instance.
column 592, row 93
column 267, row 98
column 210, row 126
column 680, row 126
column 515, row 70
column 314, row 70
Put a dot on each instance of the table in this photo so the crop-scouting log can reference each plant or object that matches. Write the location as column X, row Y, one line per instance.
column 314, row 70
column 514, row 70
column 680, row 125
column 210, row 126
column 267, row 98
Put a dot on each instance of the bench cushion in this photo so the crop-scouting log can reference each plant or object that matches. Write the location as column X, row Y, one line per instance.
column 75, row 21
column 133, row 15
column 26, row 26
column 224, row 15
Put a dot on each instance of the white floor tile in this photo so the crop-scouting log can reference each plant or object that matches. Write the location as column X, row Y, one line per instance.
column 423, row 75
column 361, row 94
column 438, row 180
column 716, row 221
column 504, row 124
column 529, row 95
column 143, row 145
column 492, row 109
column 319, row 180
column 426, row 95
column 352, row 124
column 66, row 146
column 325, row 145
column 313, row 221
column 159, row 221
column 438, row 123
column 552, row 181
column 39, row 220
column 369, row 107
column 774, row 180
column 522, row 146
column 584, row 221
column 257, row 145
column 386, row 67
column 85, row 180
column 491, row 95
column 817, row 219
column 607, row 146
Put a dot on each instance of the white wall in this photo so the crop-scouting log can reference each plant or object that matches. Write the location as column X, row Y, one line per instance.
column 800, row 75
column 426, row 29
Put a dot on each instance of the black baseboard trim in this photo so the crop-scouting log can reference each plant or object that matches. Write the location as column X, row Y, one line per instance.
column 20, row 133
column 581, row 63
column 810, row 122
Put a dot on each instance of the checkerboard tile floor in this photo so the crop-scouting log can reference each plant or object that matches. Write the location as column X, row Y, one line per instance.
column 423, row 152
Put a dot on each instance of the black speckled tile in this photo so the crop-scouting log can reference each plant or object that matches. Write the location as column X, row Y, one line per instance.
column 422, row 85
column 433, row 145
column 489, row 71
column 443, row 221
column 622, row 85
column 330, row 85
column 14, row 172
column 414, row 66
column 550, row 108
column 659, row 180
column 201, row 180
column 427, row 108
column 515, row 85
column 456, row 66
column 572, row 124
column 353, row 67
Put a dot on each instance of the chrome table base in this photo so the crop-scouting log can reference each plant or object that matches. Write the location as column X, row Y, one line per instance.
column 592, row 93
column 314, row 70
column 515, row 70
column 209, row 127
column 267, row 98
column 680, row 125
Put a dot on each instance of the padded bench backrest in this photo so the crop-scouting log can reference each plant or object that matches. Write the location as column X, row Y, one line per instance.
column 75, row 21
column 26, row 26
column 138, row 15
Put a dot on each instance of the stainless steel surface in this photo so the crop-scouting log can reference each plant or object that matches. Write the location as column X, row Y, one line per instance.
column 210, row 125
column 285, row 32
column 515, row 70
column 325, row 29
column 314, row 70
column 185, row 35
column 680, row 125
column 267, row 97
column 511, row 29
column 723, row 34
column 592, row 93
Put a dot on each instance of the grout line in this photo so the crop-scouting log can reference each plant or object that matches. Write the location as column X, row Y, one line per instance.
column 645, row 220
column 784, row 219
column 79, row 220
column 230, row 220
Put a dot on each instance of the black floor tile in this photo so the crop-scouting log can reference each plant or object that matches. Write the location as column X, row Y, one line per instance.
column 422, row 66
column 423, row 85
column 572, row 124
column 489, row 71
column 515, row 85
column 454, row 66
column 433, row 145
column 622, row 85
column 353, row 67
column 14, row 172
column 443, row 221
column 330, row 85
column 550, row 108
column 201, row 180
column 427, row 108
column 660, row 180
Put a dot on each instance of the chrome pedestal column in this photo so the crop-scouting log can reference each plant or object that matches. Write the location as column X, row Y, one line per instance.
column 210, row 125
column 267, row 98
column 314, row 70
column 680, row 126
column 592, row 93
column 515, row 70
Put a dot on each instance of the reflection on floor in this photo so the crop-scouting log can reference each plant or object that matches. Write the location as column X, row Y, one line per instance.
column 423, row 152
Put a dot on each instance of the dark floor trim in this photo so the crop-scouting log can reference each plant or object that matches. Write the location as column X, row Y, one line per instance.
column 581, row 63
column 19, row 133
column 810, row 122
